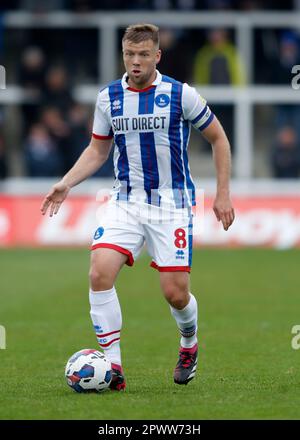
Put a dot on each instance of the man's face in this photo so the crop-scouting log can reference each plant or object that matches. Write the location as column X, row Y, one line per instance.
column 140, row 60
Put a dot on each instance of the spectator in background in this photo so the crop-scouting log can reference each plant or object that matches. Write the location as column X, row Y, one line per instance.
column 32, row 70
column 218, row 61
column 79, row 136
column 59, row 131
column 171, row 63
column 32, row 77
column 42, row 156
column 80, row 124
column 58, row 90
column 285, row 154
column 288, row 56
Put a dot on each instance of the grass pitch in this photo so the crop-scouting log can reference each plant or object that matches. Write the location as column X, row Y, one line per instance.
column 248, row 303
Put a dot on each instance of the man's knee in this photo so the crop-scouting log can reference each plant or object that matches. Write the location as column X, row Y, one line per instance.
column 177, row 299
column 176, row 292
column 105, row 266
column 100, row 279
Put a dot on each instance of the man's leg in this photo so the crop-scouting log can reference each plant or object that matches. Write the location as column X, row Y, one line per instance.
column 183, row 305
column 105, row 307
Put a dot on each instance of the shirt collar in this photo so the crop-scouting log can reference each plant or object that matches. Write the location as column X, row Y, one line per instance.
column 155, row 82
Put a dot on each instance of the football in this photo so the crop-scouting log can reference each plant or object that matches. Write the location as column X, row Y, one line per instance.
column 88, row 370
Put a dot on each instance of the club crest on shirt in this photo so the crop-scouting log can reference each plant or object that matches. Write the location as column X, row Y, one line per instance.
column 162, row 100
column 99, row 232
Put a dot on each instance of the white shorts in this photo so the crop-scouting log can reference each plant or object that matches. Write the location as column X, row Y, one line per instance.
column 126, row 226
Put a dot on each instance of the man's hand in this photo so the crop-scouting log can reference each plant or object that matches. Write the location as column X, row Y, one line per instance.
column 224, row 211
column 54, row 198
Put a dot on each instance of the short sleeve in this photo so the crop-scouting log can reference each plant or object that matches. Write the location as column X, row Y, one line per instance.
column 101, row 127
column 195, row 108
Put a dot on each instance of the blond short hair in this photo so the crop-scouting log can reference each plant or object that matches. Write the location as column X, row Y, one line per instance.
column 136, row 33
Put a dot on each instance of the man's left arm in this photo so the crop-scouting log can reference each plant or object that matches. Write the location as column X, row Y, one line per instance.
column 222, row 207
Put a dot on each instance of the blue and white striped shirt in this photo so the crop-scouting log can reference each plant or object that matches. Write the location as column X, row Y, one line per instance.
column 151, row 130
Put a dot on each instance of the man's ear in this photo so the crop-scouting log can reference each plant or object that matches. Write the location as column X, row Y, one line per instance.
column 158, row 56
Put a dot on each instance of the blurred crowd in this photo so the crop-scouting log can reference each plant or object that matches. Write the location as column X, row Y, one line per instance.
column 55, row 128
column 93, row 5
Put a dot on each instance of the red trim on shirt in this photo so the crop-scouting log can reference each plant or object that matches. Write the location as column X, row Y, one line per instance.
column 98, row 136
column 140, row 90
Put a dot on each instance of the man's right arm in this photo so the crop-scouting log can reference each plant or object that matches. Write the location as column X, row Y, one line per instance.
column 92, row 158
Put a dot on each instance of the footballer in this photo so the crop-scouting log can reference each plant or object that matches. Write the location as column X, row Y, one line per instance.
column 147, row 116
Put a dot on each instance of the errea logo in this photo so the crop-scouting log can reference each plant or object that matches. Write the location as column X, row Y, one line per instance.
column 116, row 105
column 180, row 255
column 162, row 100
